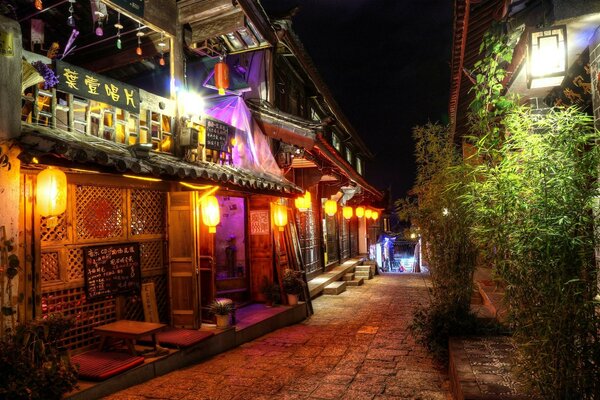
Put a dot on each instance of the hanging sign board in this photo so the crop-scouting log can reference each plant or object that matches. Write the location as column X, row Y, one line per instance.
column 259, row 222
column 89, row 85
column 111, row 270
column 7, row 48
column 135, row 7
column 218, row 135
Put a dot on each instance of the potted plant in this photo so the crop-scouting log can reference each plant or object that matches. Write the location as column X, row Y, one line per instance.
column 293, row 285
column 271, row 291
column 221, row 310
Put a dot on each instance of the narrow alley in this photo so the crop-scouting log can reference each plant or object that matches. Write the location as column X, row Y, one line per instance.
column 356, row 346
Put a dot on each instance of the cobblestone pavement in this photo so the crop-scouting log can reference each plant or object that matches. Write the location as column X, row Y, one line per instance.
column 356, row 346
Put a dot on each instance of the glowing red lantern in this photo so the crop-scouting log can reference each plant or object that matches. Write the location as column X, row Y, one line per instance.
column 221, row 76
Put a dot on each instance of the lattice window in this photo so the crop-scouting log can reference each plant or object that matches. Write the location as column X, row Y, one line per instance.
column 75, row 264
column 151, row 255
column 134, row 309
column 161, row 289
column 72, row 302
column 57, row 233
column 133, row 304
column 99, row 212
column 50, row 267
column 147, row 212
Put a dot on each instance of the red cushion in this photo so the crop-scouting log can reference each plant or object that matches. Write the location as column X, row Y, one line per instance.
column 177, row 337
column 100, row 365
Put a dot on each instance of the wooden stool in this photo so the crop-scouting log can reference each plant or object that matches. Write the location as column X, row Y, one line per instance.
column 224, row 300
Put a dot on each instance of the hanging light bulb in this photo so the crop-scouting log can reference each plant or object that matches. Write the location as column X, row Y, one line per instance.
column 119, row 27
column 70, row 18
column 139, row 35
column 38, row 4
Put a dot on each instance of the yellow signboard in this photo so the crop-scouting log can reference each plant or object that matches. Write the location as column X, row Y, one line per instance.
column 7, row 48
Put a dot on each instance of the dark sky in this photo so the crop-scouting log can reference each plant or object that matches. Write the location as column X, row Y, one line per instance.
column 387, row 64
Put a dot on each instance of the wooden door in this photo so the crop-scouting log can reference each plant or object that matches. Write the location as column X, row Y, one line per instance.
column 260, row 245
column 183, row 268
column 205, row 256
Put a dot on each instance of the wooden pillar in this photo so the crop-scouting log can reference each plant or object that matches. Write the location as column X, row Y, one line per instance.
column 10, row 78
column 10, row 128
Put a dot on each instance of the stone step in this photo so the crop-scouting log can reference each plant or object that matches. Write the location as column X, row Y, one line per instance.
column 364, row 273
column 335, row 288
column 355, row 282
column 348, row 277
column 362, row 268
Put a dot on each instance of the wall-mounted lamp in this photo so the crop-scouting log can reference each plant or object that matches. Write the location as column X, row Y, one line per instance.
column 547, row 57
column 51, row 194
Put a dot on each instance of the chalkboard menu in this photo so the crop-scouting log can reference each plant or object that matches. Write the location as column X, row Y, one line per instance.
column 111, row 270
column 218, row 135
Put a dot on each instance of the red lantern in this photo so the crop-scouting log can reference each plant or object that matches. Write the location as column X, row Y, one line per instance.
column 221, row 76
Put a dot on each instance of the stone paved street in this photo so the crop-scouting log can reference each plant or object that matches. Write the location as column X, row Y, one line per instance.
column 356, row 346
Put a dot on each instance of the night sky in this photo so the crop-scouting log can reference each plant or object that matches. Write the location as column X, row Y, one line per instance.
column 387, row 64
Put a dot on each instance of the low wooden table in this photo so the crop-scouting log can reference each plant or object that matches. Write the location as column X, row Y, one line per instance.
column 129, row 331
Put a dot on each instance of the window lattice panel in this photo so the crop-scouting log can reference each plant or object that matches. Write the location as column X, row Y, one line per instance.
column 133, row 304
column 147, row 212
column 99, row 212
column 86, row 316
column 57, row 233
column 50, row 267
column 75, row 264
column 151, row 255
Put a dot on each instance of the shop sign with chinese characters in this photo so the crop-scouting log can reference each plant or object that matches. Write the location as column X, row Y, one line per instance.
column 89, row 85
column 218, row 135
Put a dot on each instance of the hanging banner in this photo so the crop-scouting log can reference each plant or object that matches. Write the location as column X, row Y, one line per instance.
column 218, row 135
column 89, row 85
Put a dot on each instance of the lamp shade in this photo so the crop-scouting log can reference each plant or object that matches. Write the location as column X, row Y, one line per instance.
column 368, row 213
column 51, row 192
column 547, row 57
column 347, row 212
column 375, row 215
column 210, row 212
column 280, row 218
column 360, row 212
column 221, row 77
column 330, row 207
